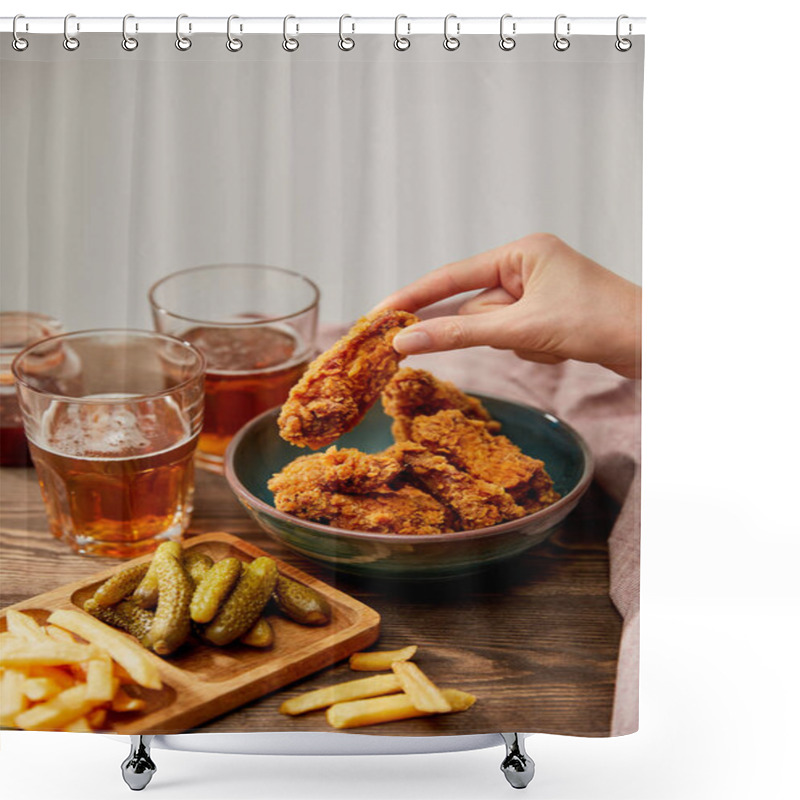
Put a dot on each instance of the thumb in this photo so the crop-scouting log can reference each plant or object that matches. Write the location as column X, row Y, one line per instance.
column 452, row 333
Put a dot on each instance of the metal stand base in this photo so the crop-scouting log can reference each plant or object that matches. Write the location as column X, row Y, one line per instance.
column 138, row 768
column 517, row 766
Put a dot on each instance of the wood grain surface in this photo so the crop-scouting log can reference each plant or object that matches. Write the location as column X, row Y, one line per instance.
column 535, row 639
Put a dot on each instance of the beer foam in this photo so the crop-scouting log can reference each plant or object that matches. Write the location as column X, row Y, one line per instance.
column 113, row 430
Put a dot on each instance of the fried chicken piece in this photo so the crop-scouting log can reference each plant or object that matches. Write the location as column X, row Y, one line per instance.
column 340, row 385
column 468, row 445
column 347, row 470
column 406, row 510
column 412, row 392
column 478, row 503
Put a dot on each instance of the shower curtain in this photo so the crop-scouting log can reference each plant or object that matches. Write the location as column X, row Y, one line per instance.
column 363, row 168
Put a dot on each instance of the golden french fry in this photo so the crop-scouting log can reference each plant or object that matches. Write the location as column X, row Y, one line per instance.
column 58, row 675
column 132, row 656
column 424, row 694
column 45, row 653
column 375, row 710
column 121, row 674
column 380, row 659
column 12, row 698
column 97, row 718
column 341, row 692
column 56, row 712
column 101, row 685
column 80, row 725
column 22, row 625
column 124, row 702
column 59, row 634
column 38, row 689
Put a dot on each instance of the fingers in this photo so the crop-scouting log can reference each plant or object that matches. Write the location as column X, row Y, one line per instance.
column 493, row 328
column 488, row 300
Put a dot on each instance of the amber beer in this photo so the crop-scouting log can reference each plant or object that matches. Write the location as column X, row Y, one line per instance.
column 248, row 370
column 116, row 479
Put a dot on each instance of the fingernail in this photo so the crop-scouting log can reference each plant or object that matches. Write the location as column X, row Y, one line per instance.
column 412, row 342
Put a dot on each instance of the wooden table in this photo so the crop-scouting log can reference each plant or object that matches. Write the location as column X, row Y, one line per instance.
column 535, row 639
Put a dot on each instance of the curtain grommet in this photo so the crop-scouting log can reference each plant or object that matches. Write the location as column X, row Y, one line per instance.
column 183, row 43
column 17, row 42
column 346, row 43
column 129, row 43
column 233, row 44
column 560, row 43
column 401, row 43
column 623, row 44
column 451, row 43
column 290, row 43
column 507, row 42
column 70, row 43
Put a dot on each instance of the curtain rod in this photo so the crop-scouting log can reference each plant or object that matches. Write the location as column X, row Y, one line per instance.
column 460, row 26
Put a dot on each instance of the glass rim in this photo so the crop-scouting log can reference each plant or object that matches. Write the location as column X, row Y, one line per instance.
column 158, row 308
column 199, row 372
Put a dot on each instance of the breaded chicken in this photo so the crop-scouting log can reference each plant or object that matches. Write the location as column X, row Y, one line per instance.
column 477, row 503
column 407, row 510
column 414, row 391
column 341, row 384
column 346, row 470
column 468, row 445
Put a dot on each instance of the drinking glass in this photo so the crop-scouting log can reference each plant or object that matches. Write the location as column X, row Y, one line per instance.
column 112, row 419
column 256, row 326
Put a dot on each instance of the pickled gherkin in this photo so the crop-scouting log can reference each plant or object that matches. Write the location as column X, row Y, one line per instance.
column 197, row 565
column 146, row 594
column 214, row 588
column 301, row 603
column 127, row 615
column 245, row 604
column 119, row 585
column 260, row 635
column 172, row 624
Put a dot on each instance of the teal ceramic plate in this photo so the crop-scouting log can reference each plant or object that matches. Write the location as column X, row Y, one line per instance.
column 257, row 452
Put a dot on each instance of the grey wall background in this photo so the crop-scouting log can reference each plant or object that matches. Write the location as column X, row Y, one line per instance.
column 361, row 169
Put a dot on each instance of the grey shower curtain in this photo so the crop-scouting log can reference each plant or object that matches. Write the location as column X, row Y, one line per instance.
column 363, row 170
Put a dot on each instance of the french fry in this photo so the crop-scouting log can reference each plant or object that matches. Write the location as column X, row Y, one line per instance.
column 44, row 653
column 39, row 689
column 58, row 675
column 97, row 718
column 381, row 659
column 375, row 710
column 59, row 634
column 12, row 698
column 341, row 692
column 22, row 625
column 424, row 694
column 80, row 725
column 101, row 685
column 57, row 712
column 118, row 645
column 122, row 701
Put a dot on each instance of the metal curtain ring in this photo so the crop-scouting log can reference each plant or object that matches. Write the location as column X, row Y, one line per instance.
column 129, row 43
column 233, row 44
column 507, row 42
column 17, row 42
column 401, row 42
column 623, row 45
column 70, row 42
column 346, row 42
column 290, row 44
column 451, row 42
column 182, row 42
column 561, row 43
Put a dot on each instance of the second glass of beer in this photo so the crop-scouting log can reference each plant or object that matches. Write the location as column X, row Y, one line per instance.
column 256, row 326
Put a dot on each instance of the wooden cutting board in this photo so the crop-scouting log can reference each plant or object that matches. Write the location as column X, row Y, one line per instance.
column 201, row 681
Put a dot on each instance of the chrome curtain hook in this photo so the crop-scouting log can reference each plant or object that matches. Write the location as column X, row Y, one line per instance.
column 622, row 44
column 346, row 42
column 17, row 42
column 233, row 44
column 401, row 42
column 290, row 44
column 70, row 42
column 129, row 42
column 561, row 43
column 182, row 42
column 507, row 42
column 451, row 42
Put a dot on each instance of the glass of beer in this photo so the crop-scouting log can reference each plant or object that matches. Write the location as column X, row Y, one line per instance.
column 112, row 419
column 256, row 326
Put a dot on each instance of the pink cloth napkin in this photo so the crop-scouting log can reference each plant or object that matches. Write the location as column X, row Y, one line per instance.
column 606, row 409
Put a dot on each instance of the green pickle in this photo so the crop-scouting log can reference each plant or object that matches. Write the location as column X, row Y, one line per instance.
column 172, row 624
column 301, row 603
column 215, row 586
column 245, row 604
column 119, row 585
column 260, row 635
column 127, row 615
column 197, row 565
column 146, row 594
